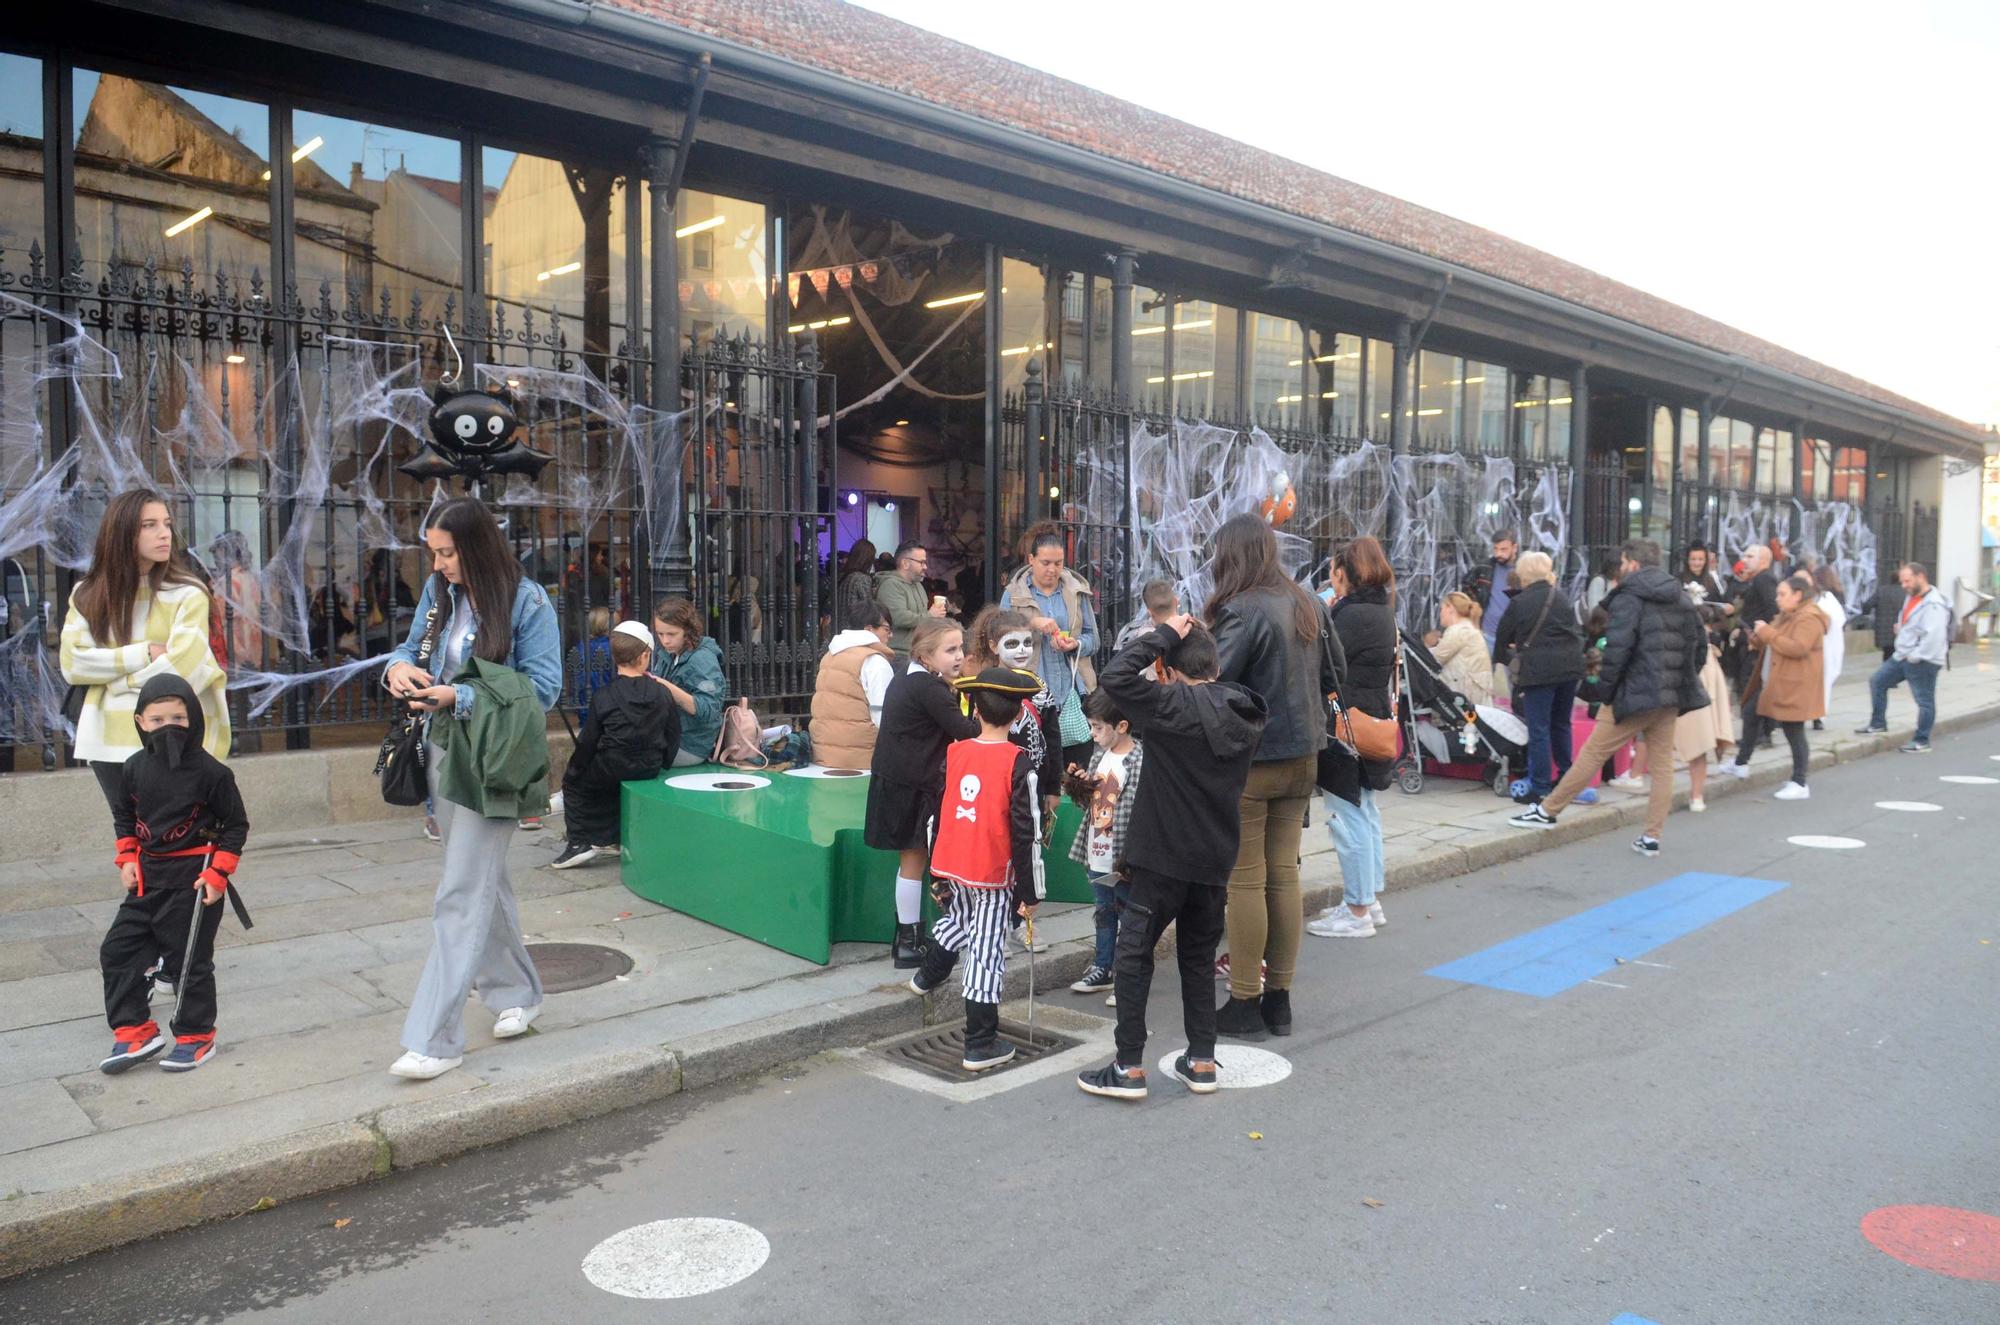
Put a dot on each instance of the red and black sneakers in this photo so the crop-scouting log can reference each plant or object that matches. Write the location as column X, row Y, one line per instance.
column 131, row 1045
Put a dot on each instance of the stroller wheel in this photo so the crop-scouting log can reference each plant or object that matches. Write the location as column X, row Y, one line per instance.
column 1409, row 775
column 1502, row 784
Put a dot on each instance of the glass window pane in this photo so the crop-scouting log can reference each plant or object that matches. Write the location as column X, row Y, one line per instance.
column 555, row 247
column 1488, row 407
column 724, row 272
column 1742, row 454
column 1277, row 368
column 1334, row 386
column 169, row 176
column 1381, row 389
column 1662, row 468
column 1149, row 346
column 1767, row 460
column 1690, row 445
column 1203, row 356
column 1069, row 331
column 1559, row 407
column 378, row 212
column 1781, row 481
column 1023, row 322
column 1718, row 452
column 1532, row 406
column 21, row 153
column 1440, row 399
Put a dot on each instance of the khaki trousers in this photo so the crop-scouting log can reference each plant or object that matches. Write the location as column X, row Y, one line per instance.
column 1266, row 914
column 1657, row 729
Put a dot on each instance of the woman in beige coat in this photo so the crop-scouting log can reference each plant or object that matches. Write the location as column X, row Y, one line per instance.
column 1461, row 650
column 1793, row 689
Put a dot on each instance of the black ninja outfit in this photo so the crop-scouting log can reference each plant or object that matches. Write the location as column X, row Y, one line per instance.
column 632, row 732
column 179, row 818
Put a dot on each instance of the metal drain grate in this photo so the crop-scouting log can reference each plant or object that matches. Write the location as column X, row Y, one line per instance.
column 567, row 966
column 938, row 1053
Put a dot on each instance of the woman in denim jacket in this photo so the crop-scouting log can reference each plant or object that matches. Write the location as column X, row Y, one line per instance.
column 476, row 928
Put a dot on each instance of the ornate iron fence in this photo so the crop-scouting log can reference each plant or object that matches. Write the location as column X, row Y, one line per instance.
column 275, row 424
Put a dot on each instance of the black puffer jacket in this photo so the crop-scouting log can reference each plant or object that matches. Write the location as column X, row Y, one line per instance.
column 1557, row 651
column 1260, row 650
column 1654, row 645
column 1365, row 625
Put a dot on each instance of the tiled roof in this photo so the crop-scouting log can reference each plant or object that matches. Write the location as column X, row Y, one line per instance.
column 872, row 48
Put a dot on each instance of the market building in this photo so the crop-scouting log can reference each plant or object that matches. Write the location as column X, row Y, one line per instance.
column 912, row 291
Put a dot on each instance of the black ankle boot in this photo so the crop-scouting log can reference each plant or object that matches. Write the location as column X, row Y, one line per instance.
column 1239, row 1019
column 908, row 949
column 1276, row 1009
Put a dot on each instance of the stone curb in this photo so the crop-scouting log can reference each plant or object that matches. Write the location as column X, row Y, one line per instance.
column 52, row 1227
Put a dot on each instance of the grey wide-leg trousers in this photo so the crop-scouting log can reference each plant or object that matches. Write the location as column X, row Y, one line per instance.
column 475, row 932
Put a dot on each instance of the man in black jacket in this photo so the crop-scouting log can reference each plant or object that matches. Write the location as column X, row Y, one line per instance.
column 1651, row 670
column 1200, row 736
column 1488, row 585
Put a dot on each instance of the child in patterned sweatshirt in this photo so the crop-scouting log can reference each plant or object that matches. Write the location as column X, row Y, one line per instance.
column 1105, row 793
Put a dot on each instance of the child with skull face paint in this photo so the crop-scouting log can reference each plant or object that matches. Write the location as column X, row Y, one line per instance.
column 1003, row 638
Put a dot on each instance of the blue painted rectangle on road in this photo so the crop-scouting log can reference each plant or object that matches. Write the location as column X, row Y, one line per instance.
column 1627, row 1318
column 1546, row 961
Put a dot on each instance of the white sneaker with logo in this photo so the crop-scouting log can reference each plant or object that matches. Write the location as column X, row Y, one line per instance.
column 1794, row 791
column 1342, row 924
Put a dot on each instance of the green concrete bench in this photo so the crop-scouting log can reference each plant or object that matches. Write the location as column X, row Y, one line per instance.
column 784, row 864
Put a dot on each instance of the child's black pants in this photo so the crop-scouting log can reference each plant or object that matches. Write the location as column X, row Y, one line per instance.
column 147, row 926
column 1157, row 901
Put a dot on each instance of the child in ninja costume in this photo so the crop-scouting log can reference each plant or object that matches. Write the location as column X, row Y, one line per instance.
column 986, row 861
column 631, row 733
column 181, row 829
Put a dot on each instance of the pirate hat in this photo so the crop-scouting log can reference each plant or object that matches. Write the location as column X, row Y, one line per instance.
column 1006, row 680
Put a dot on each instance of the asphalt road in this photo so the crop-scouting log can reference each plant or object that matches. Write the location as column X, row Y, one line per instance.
column 1695, row 1139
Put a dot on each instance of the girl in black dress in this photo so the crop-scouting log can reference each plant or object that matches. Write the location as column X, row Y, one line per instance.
column 920, row 717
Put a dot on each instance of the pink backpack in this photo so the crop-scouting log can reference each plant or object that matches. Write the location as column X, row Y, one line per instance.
column 740, row 743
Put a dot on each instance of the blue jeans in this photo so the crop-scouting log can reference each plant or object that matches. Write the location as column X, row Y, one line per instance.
column 1357, row 840
column 1546, row 710
column 1111, row 893
column 1922, row 677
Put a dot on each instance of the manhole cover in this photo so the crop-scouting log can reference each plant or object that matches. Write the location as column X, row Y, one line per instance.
column 938, row 1053
column 567, row 966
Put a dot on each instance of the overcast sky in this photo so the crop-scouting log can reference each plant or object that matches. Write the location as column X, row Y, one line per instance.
column 1820, row 174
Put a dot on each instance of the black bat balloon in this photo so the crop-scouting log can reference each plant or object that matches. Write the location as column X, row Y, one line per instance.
column 471, row 434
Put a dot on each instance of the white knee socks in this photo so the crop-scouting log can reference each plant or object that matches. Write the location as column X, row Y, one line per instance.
column 909, row 900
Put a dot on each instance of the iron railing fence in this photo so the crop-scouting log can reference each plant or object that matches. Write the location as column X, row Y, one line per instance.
column 275, row 423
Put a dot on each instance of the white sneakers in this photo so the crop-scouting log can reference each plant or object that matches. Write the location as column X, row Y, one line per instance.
column 1342, row 924
column 1375, row 915
column 1696, row 805
column 1794, row 791
column 1741, row 772
column 1629, row 782
column 515, row 1021
column 414, row 1066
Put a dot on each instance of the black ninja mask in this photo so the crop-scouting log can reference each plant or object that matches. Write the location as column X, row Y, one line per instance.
column 170, row 744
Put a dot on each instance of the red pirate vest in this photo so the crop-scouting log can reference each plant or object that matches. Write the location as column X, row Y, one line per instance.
column 974, row 841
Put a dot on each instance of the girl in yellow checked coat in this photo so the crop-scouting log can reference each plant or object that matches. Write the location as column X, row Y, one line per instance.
column 140, row 612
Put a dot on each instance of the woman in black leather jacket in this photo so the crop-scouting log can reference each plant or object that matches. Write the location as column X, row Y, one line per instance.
column 1364, row 620
column 1273, row 638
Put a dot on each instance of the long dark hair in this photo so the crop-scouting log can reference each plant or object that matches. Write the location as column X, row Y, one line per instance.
column 490, row 573
column 1246, row 558
column 105, row 597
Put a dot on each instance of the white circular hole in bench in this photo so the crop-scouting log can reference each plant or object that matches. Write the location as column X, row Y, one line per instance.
column 718, row 781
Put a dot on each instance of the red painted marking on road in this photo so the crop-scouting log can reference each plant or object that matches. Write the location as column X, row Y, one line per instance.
column 1964, row 1244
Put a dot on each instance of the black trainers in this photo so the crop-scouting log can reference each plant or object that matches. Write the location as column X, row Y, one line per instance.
column 1917, row 748
column 1647, row 846
column 908, row 948
column 1276, row 1010
column 1533, row 817
column 1872, row 729
column 572, row 855
column 1240, row 1019
column 937, row 967
column 1093, row 981
column 981, row 1058
column 1197, row 1074
column 1114, row 1082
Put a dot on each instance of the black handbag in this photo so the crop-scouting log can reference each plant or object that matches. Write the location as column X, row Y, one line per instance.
column 400, row 762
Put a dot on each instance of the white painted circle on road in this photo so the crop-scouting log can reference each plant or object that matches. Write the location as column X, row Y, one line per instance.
column 1240, row 1068
column 718, row 781
column 1969, row 779
column 676, row 1258
column 1826, row 843
column 1909, row 807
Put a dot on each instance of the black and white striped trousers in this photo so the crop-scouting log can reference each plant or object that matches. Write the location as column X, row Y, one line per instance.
column 974, row 925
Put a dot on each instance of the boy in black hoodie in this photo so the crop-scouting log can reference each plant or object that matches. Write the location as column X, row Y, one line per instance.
column 1200, row 735
column 632, row 731
column 181, row 829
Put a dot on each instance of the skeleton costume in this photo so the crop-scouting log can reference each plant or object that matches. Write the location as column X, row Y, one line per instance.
column 987, row 860
column 1035, row 730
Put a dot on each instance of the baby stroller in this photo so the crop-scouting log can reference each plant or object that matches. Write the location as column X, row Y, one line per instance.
column 1458, row 738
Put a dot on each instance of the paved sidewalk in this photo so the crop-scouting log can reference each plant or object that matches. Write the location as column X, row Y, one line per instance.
column 298, row 1100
